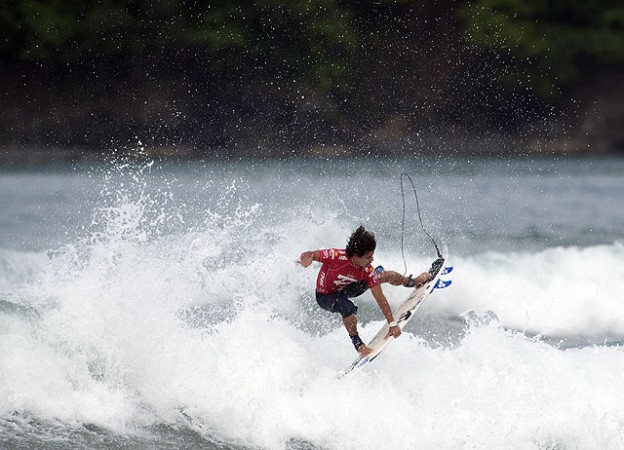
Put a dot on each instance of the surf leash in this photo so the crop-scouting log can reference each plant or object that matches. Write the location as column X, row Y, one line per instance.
column 419, row 218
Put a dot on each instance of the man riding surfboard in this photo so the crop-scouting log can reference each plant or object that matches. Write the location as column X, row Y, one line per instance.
column 347, row 273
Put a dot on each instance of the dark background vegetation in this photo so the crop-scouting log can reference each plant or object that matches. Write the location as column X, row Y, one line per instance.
column 310, row 78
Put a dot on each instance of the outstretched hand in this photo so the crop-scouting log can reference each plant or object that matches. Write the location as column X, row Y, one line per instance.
column 306, row 259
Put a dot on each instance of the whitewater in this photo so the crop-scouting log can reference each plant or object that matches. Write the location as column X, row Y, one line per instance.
column 152, row 305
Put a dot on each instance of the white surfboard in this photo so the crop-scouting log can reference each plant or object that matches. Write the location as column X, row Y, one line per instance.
column 402, row 316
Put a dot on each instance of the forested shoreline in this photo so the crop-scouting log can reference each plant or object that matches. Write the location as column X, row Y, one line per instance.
column 311, row 78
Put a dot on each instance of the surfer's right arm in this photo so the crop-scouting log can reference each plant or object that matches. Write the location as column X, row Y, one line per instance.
column 307, row 258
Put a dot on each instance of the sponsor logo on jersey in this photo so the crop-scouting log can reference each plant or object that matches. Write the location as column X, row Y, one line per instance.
column 322, row 278
column 343, row 280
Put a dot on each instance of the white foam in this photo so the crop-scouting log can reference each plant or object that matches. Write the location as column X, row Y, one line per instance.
column 208, row 327
column 559, row 291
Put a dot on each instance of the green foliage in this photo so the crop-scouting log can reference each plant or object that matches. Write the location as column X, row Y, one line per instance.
column 558, row 38
column 312, row 40
column 67, row 29
column 10, row 26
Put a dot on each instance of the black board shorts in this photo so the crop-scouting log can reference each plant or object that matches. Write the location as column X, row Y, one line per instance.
column 338, row 302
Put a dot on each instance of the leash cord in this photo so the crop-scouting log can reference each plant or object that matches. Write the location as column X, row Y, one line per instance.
column 419, row 218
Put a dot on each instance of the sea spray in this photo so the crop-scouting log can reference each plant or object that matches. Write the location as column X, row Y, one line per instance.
column 559, row 291
column 178, row 319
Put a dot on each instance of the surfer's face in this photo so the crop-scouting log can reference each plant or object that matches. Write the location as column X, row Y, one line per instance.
column 364, row 260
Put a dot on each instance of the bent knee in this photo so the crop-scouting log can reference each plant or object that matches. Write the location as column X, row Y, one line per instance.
column 347, row 309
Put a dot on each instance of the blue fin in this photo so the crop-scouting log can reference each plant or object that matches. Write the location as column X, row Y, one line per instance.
column 446, row 270
column 441, row 284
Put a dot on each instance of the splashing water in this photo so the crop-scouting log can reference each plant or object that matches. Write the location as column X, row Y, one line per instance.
column 178, row 319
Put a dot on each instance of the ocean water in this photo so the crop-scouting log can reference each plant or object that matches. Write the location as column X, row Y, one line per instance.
column 149, row 305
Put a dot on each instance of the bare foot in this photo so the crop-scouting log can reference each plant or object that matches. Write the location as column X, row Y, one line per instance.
column 364, row 351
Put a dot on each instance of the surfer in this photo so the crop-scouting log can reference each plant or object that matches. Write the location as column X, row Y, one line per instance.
column 347, row 273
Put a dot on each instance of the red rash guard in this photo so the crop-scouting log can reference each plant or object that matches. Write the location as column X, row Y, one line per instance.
column 338, row 271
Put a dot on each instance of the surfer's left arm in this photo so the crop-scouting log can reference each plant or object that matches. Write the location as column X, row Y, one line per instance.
column 381, row 300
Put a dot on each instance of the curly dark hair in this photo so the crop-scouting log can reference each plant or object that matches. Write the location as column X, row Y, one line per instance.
column 361, row 242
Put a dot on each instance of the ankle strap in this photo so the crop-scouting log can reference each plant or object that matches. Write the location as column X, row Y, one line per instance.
column 357, row 342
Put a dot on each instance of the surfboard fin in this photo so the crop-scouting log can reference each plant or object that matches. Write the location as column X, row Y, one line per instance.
column 441, row 284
